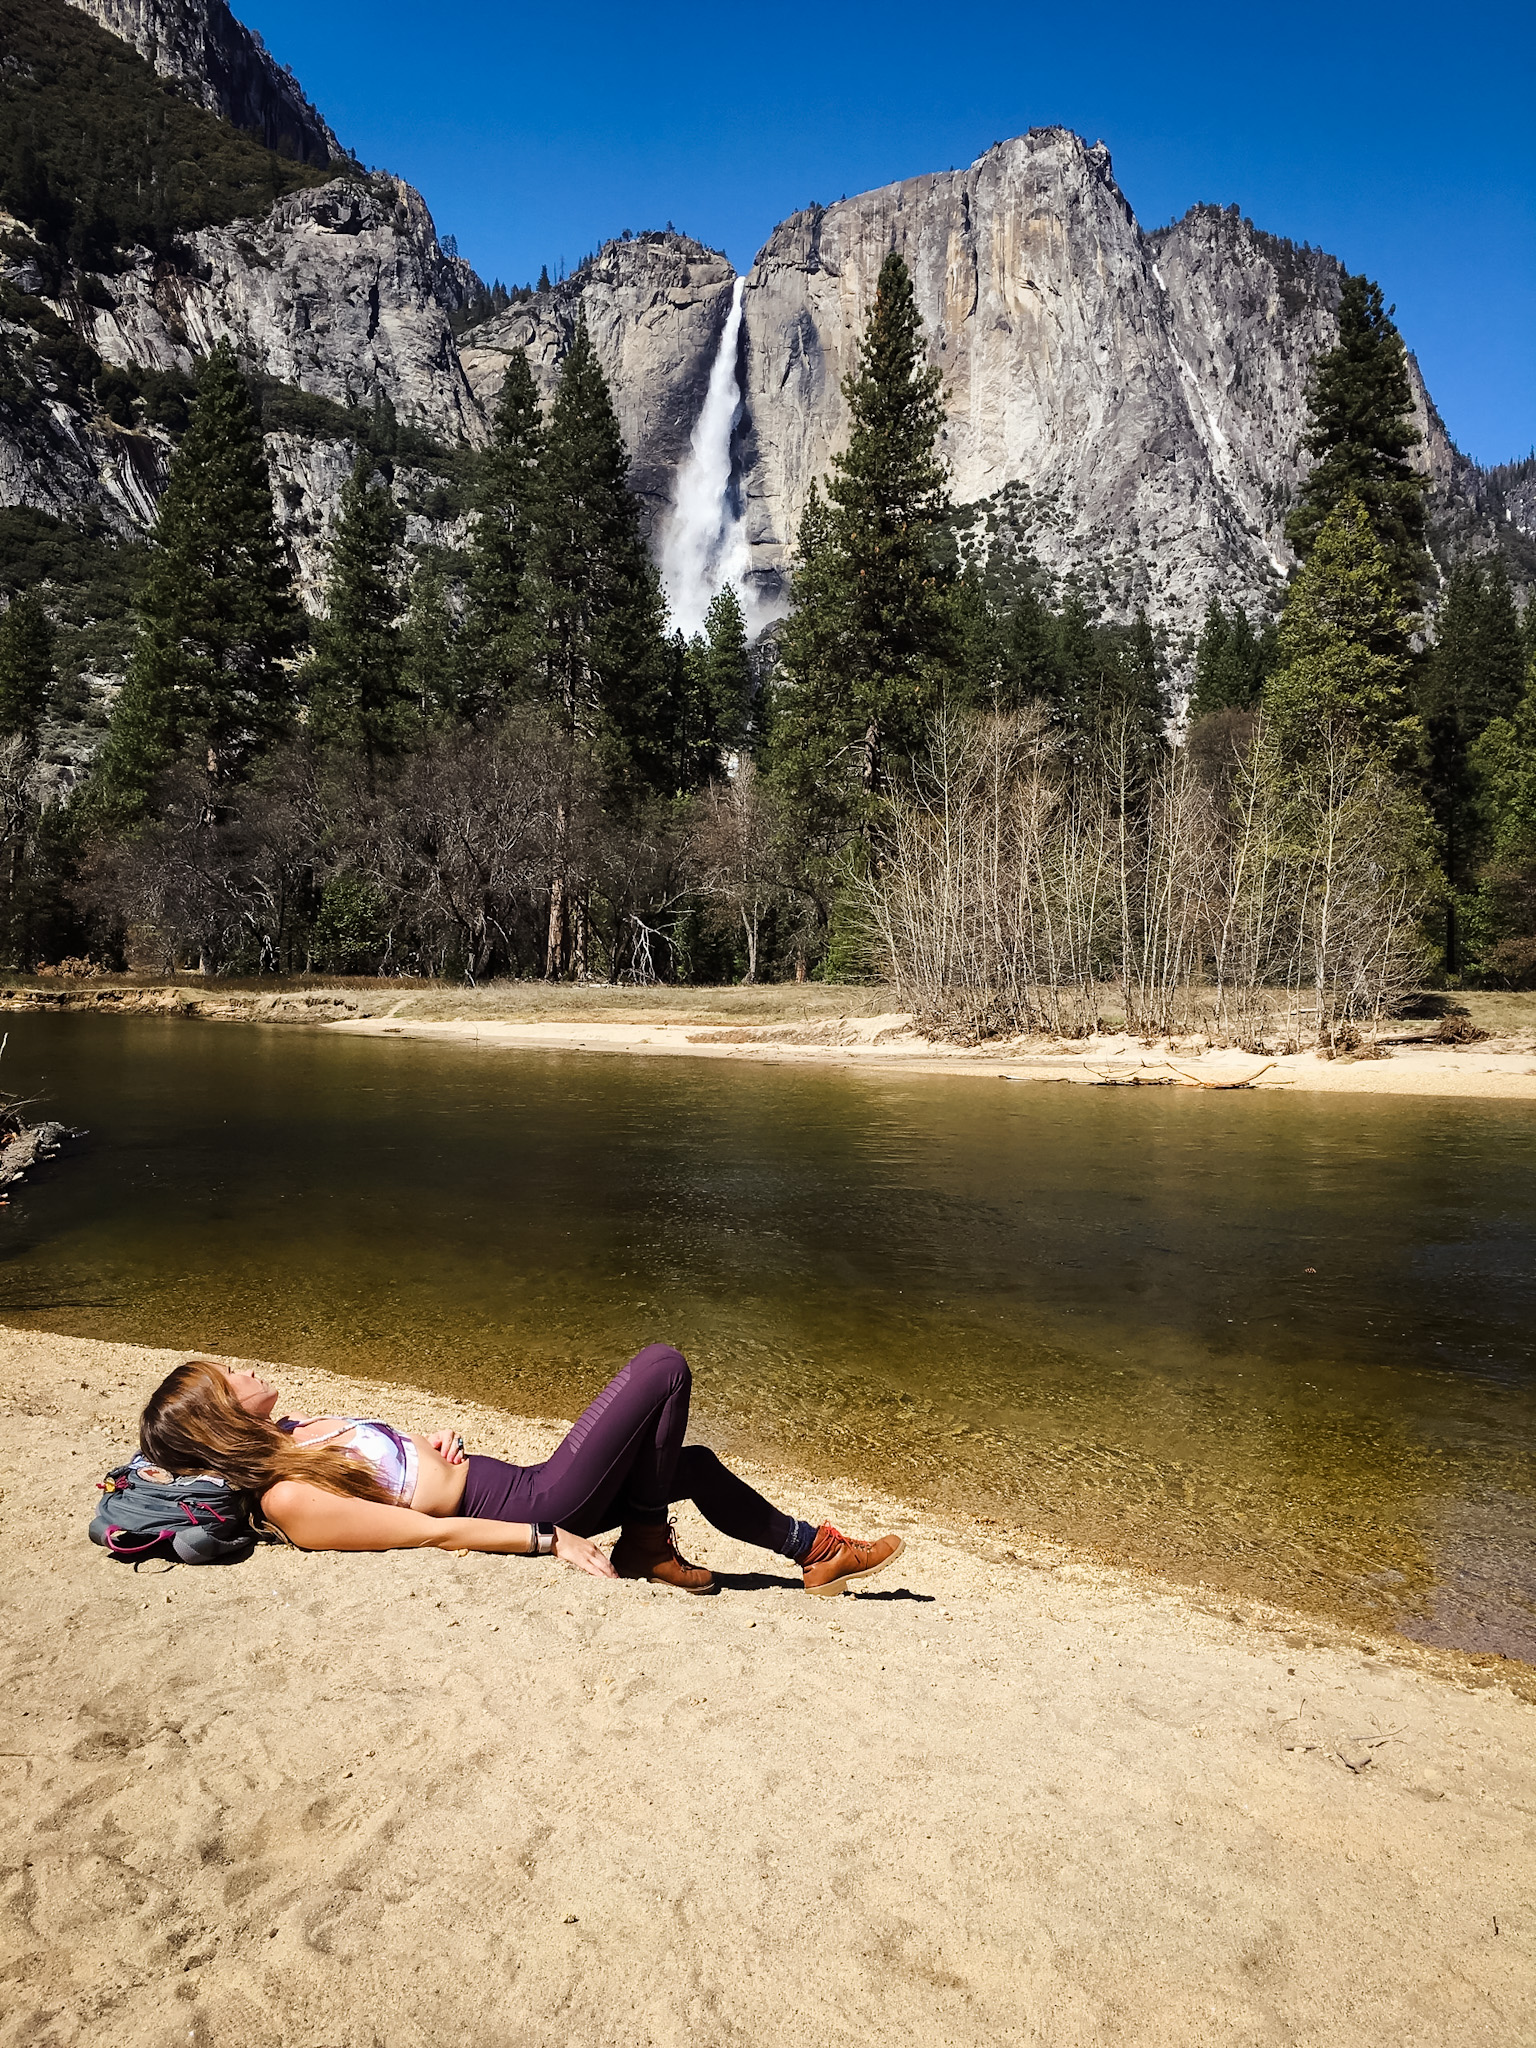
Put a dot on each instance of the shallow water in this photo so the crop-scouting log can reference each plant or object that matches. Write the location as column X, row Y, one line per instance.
column 1280, row 1344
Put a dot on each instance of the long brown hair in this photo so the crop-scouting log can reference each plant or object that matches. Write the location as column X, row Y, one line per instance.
column 193, row 1423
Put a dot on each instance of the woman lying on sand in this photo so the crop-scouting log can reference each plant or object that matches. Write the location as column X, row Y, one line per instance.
column 340, row 1483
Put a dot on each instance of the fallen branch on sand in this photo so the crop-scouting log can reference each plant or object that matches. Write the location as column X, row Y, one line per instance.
column 1194, row 1080
column 1173, row 1078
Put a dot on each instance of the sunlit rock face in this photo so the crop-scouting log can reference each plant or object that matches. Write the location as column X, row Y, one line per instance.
column 339, row 290
column 342, row 290
column 222, row 65
column 654, row 307
column 1140, row 397
column 1148, row 392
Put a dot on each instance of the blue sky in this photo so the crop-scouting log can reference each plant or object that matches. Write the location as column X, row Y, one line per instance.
column 1400, row 137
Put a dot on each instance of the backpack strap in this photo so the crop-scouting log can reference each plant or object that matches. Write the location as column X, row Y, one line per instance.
column 133, row 1549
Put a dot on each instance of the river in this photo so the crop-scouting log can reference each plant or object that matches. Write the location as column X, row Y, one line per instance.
column 1279, row 1345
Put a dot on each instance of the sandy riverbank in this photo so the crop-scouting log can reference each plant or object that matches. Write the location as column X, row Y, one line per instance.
column 417, row 1799
column 1416, row 1065
column 810, row 1024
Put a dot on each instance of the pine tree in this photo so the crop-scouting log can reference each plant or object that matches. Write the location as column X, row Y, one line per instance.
column 216, row 617
column 1136, row 700
column 872, row 636
column 358, row 696
column 714, row 704
column 980, row 636
column 1500, row 939
column 432, row 655
column 728, row 674
column 1472, row 676
column 1211, row 674
column 1231, row 662
column 598, row 621
column 1032, row 664
column 1361, row 433
column 26, row 668
column 812, row 733
column 1342, row 648
column 498, row 624
column 1089, row 672
column 1501, row 652
column 599, row 654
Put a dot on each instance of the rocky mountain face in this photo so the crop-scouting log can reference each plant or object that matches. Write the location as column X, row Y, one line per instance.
column 655, row 306
column 222, row 65
column 1134, row 403
column 343, row 291
column 1129, row 404
column 1144, row 394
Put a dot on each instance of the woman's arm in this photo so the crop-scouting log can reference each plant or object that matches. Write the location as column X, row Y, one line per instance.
column 316, row 1520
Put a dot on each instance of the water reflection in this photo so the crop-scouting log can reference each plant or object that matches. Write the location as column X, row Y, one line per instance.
column 1281, row 1343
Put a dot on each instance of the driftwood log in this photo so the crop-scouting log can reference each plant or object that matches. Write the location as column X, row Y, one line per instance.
column 22, row 1150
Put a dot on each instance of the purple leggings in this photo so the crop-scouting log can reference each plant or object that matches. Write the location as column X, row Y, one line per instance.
column 625, row 1460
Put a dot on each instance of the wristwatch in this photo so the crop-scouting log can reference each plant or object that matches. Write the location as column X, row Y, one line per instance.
column 543, row 1539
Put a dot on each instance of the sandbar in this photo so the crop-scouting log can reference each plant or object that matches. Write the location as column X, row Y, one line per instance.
column 1004, row 1796
column 817, row 1025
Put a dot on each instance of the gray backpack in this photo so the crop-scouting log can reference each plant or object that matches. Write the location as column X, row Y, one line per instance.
column 146, row 1511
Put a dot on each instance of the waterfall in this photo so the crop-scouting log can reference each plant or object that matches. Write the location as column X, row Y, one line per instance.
column 706, row 544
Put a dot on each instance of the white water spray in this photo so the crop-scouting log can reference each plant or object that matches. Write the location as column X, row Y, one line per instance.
column 706, row 544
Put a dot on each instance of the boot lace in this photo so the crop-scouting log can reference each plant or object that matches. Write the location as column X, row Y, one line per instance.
column 829, row 1542
column 678, row 1557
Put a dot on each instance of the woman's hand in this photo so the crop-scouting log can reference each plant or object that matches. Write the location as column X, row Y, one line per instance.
column 585, row 1556
column 449, row 1445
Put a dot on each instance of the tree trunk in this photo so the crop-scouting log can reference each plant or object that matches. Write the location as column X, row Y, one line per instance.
column 750, row 924
column 870, row 774
column 554, row 954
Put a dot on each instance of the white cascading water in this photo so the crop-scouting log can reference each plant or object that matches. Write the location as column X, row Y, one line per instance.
column 706, row 544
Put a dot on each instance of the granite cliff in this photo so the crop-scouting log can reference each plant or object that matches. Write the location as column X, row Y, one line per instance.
column 339, row 290
column 1136, row 400
column 1130, row 404
column 655, row 306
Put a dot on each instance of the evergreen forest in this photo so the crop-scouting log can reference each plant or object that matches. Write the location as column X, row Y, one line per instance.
column 98, row 156
column 938, row 768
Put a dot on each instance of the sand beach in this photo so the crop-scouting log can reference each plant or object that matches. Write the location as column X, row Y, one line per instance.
column 789, row 1024
column 335, row 1802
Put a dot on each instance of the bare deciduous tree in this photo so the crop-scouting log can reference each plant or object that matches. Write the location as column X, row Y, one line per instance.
column 737, row 853
column 1014, row 885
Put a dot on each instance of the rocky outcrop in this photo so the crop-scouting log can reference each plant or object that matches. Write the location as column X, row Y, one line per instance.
column 1136, row 401
column 342, row 290
column 1145, row 395
column 654, row 306
column 336, row 290
column 223, row 66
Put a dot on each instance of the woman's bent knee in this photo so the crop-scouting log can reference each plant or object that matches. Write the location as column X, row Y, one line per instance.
column 662, row 1365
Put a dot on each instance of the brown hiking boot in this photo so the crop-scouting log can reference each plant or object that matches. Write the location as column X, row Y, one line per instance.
column 835, row 1560
column 647, row 1550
